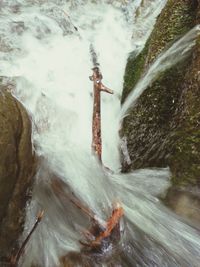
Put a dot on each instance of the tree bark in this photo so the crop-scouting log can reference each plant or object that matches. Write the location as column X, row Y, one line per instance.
column 98, row 87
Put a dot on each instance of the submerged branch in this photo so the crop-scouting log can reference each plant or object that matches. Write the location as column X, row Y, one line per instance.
column 15, row 259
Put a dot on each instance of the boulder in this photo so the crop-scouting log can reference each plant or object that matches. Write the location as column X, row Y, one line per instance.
column 17, row 166
column 163, row 127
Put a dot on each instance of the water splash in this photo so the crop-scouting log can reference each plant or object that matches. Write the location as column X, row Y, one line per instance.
column 45, row 52
column 177, row 52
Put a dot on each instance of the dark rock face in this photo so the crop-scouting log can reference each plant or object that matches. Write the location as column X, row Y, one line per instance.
column 163, row 128
column 17, row 166
column 185, row 203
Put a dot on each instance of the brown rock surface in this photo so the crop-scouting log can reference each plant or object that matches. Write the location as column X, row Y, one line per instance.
column 17, row 166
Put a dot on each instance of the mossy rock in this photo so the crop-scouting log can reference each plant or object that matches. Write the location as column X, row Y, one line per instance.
column 133, row 72
column 185, row 157
column 175, row 19
column 148, row 125
column 162, row 128
column 17, row 165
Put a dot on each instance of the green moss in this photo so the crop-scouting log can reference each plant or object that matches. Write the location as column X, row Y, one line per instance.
column 151, row 118
column 185, row 158
column 133, row 72
column 175, row 20
column 162, row 128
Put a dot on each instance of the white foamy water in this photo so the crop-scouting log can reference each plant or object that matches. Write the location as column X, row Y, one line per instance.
column 42, row 52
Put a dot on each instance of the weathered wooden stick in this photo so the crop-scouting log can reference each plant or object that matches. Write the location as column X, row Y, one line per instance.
column 94, row 237
column 15, row 259
column 98, row 87
column 59, row 187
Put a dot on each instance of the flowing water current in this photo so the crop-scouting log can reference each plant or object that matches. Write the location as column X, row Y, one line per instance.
column 45, row 60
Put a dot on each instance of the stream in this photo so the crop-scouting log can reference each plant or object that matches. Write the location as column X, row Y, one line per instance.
column 45, row 60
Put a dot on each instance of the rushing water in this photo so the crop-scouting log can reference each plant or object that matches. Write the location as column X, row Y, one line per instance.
column 177, row 52
column 45, row 58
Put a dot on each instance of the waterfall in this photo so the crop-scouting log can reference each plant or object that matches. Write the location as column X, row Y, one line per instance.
column 45, row 60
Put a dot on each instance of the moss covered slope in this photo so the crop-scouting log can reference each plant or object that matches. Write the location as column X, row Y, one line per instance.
column 175, row 20
column 163, row 127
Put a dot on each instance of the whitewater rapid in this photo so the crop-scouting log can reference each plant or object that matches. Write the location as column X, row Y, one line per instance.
column 46, row 62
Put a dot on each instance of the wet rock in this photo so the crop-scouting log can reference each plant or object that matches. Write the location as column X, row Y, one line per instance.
column 185, row 203
column 175, row 20
column 17, row 167
column 163, row 128
column 75, row 259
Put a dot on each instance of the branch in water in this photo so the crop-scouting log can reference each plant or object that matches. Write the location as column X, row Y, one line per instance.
column 98, row 87
column 98, row 233
column 59, row 187
column 15, row 259
column 100, row 229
